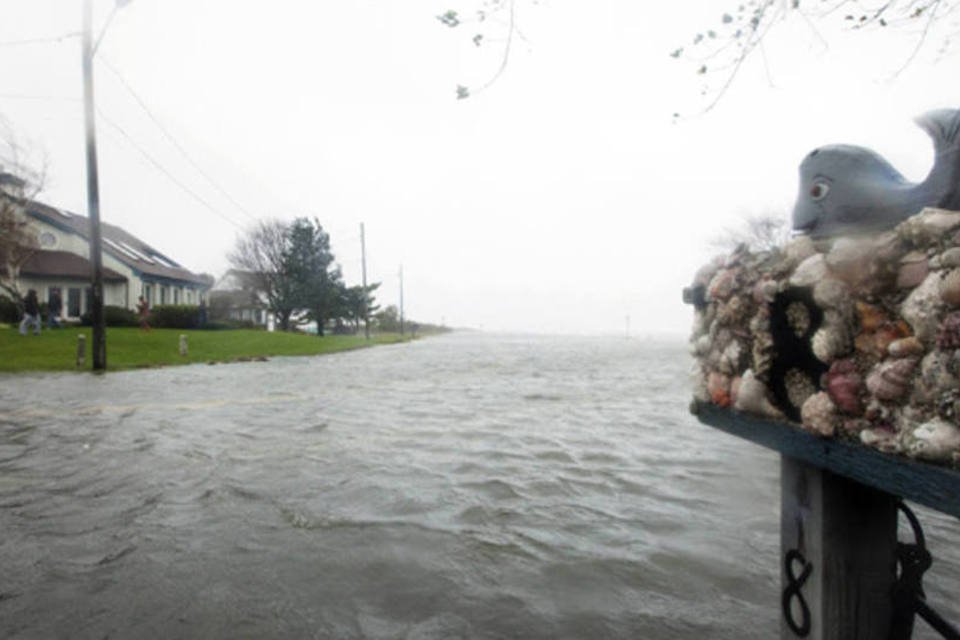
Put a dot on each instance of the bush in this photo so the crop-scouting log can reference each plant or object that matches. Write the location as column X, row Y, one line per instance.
column 114, row 317
column 175, row 316
column 9, row 311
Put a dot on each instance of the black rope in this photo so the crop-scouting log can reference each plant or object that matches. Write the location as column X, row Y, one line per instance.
column 908, row 596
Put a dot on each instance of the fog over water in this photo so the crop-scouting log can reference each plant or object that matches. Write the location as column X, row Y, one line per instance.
column 466, row 486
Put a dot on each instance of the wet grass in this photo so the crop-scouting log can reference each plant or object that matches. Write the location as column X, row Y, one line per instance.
column 131, row 348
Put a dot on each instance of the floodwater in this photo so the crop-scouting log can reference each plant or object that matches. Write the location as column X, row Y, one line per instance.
column 465, row 486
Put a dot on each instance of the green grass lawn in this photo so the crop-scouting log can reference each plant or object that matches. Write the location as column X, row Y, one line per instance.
column 130, row 348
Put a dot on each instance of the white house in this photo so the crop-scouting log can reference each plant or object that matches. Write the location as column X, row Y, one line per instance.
column 131, row 267
column 233, row 296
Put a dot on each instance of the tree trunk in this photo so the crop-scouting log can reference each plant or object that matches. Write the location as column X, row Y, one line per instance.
column 319, row 324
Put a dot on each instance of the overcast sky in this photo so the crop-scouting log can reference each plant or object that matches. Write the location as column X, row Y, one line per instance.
column 561, row 199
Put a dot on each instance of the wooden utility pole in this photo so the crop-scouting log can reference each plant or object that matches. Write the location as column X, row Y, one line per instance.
column 363, row 256
column 99, row 346
column 401, row 299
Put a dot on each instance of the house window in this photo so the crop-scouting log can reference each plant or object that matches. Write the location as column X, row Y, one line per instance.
column 148, row 293
column 163, row 295
column 50, row 293
column 87, row 299
column 73, row 302
column 176, row 296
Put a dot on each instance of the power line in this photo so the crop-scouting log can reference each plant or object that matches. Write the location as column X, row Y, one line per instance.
column 169, row 136
column 164, row 171
column 30, row 41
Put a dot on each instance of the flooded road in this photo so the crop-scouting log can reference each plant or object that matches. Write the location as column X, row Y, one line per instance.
column 466, row 486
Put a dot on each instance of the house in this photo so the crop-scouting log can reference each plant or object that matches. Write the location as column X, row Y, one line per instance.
column 131, row 267
column 233, row 298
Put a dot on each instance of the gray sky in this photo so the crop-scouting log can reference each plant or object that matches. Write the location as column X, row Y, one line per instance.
column 561, row 199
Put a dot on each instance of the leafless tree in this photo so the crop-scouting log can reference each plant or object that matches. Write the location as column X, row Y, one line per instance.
column 760, row 232
column 720, row 50
column 19, row 184
column 259, row 255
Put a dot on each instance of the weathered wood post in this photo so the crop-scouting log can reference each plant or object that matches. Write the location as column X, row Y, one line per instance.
column 183, row 345
column 838, row 541
column 81, row 349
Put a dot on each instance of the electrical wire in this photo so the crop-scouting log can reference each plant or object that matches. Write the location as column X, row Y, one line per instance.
column 170, row 138
column 165, row 172
column 30, row 41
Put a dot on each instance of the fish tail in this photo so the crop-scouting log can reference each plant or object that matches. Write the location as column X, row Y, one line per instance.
column 943, row 125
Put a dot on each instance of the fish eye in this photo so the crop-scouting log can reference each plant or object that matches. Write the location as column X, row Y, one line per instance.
column 819, row 190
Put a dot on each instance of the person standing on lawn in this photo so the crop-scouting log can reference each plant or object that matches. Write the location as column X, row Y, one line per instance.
column 31, row 314
column 54, row 308
column 143, row 310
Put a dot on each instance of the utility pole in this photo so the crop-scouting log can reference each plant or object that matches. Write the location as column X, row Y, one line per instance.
column 99, row 346
column 401, row 299
column 363, row 256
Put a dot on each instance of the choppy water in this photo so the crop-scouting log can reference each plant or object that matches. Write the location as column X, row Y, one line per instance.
column 466, row 486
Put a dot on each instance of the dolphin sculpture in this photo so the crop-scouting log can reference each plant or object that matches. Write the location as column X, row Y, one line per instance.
column 849, row 189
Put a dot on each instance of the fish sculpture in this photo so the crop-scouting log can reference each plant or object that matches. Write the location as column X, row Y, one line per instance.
column 850, row 189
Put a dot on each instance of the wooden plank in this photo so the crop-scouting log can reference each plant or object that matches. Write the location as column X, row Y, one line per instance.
column 926, row 484
column 846, row 533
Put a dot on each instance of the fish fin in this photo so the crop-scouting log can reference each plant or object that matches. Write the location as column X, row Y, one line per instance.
column 943, row 125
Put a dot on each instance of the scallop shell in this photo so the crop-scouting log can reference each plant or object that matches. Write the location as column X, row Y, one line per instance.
column 819, row 415
column 698, row 381
column 936, row 440
column 890, row 380
column 754, row 397
column 832, row 340
column 905, row 347
column 809, row 272
column 921, row 308
column 845, row 387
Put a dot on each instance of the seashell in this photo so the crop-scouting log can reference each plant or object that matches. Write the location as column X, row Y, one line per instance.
column 877, row 343
column 798, row 386
column 798, row 317
column 731, row 358
column 734, row 389
column 732, row 312
column 890, row 380
column 834, row 294
column 701, row 346
column 718, row 389
column 905, row 347
column 914, row 268
column 936, row 440
column 949, row 259
column 950, row 288
column 936, row 371
column 884, row 437
column 948, row 405
column 928, row 226
column 844, row 385
column 698, row 382
column 754, row 397
column 921, row 307
column 722, row 285
column 871, row 317
column 832, row 340
column 809, row 272
column 798, row 249
column 819, row 415
column 763, row 354
column 948, row 337
column 764, row 291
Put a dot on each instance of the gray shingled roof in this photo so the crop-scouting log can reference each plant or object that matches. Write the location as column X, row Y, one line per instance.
column 118, row 243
